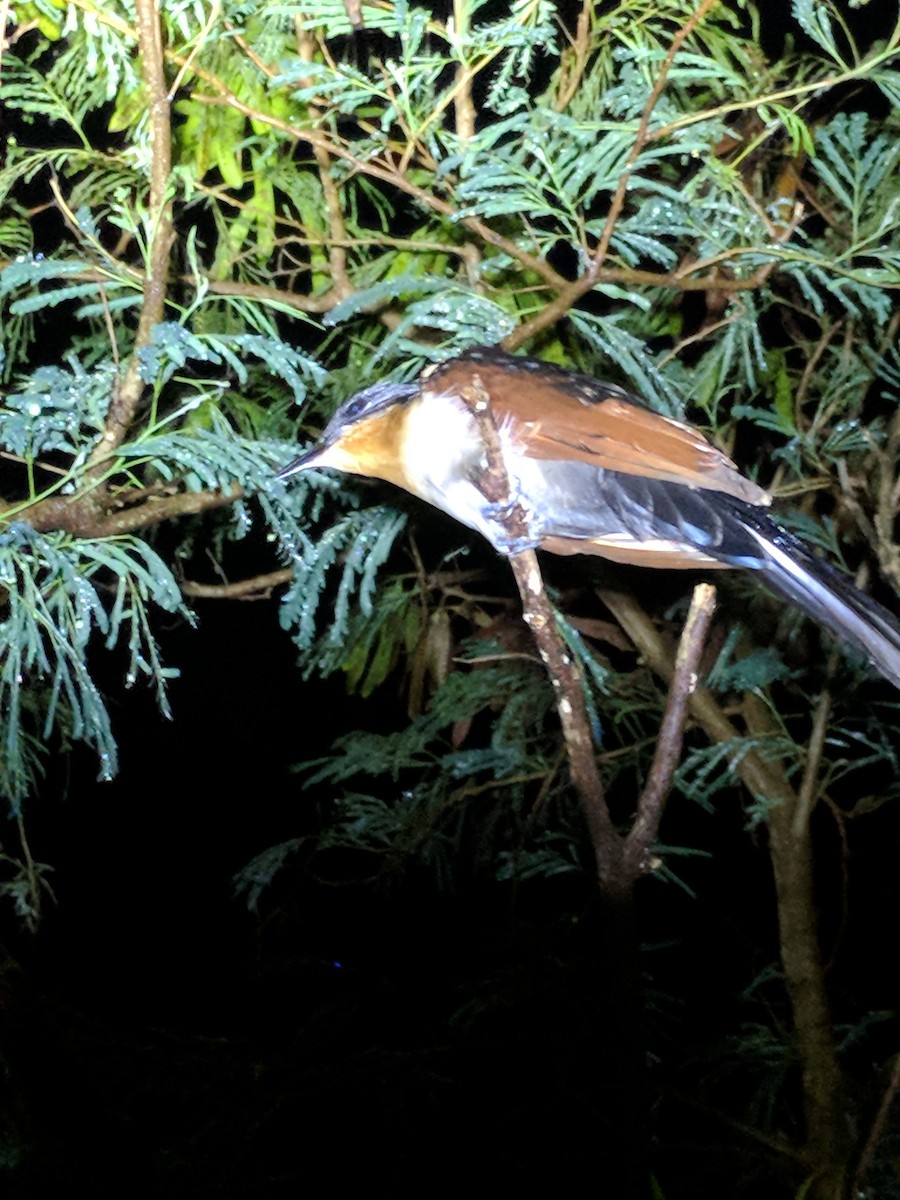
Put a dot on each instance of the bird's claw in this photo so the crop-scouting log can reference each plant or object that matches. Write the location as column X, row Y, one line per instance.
column 511, row 546
column 504, row 517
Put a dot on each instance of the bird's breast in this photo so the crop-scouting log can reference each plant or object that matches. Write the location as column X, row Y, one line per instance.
column 442, row 456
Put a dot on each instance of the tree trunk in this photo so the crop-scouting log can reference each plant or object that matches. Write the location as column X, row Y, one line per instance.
column 828, row 1136
column 624, row 1166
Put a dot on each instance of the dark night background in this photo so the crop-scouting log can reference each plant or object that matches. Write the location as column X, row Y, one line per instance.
column 159, row 1034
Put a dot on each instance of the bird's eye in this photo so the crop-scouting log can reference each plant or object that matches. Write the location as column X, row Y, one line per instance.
column 375, row 399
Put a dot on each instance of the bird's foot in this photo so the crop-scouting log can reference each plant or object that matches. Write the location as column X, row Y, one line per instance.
column 510, row 522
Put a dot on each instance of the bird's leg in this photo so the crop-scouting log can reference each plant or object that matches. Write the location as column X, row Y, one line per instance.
column 505, row 511
column 507, row 518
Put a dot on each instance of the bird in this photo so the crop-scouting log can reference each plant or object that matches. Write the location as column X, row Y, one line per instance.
column 593, row 470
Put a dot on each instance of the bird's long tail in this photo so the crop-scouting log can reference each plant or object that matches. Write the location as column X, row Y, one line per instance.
column 829, row 596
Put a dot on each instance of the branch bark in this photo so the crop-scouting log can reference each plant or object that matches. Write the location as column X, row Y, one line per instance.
column 827, row 1145
column 260, row 587
column 621, row 861
column 643, row 832
column 828, row 1141
column 337, row 253
column 573, row 292
column 564, row 674
column 90, row 519
column 161, row 231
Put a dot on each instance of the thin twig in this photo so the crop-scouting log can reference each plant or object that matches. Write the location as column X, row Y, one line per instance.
column 258, row 588
column 862, row 70
column 215, row 11
column 572, row 292
column 32, row 875
column 760, row 777
column 642, row 136
column 685, row 672
column 808, row 792
column 875, row 1133
column 93, row 243
column 574, row 62
column 809, row 369
column 270, row 294
column 337, row 254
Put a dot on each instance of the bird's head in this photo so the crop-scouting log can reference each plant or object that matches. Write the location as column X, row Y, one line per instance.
column 364, row 435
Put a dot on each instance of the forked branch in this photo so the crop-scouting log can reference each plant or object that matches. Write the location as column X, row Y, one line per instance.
column 620, row 860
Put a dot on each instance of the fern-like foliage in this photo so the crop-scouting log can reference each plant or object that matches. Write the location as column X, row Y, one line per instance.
column 61, row 596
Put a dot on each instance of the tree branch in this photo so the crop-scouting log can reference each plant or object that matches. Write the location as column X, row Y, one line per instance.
column 569, row 295
column 161, row 231
column 759, row 777
column 564, row 674
column 337, row 254
column 876, row 1132
column 258, row 588
column 827, row 1136
column 642, row 137
column 89, row 520
column 643, row 832
column 619, row 861
column 463, row 104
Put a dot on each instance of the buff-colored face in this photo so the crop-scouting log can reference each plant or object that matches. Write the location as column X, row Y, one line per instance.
column 370, row 447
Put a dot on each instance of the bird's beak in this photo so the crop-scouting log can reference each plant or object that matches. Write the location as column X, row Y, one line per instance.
column 310, row 458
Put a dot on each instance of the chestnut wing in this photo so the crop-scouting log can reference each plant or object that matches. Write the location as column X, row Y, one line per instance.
column 554, row 415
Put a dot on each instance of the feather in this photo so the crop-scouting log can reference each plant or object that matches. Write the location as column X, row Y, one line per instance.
column 561, row 416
